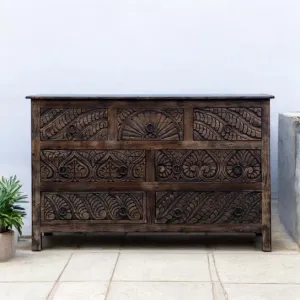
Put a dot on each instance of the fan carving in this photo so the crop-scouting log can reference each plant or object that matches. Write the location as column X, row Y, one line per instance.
column 154, row 124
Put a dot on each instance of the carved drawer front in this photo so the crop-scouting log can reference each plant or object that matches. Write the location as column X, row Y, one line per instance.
column 102, row 206
column 92, row 165
column 231, row 124
column 208, row 165
column 73, row 124
column 208, row 207
column 150, row 124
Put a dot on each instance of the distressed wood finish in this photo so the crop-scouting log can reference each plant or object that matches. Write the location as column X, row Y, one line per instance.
column 105, row 207
column 208, row 165
column 208, row 207
column 73, row 124
column 92, row 165
column 35, row 162
column 232, row 123
column 177, row 163
column 150, row 124
column 266, row 196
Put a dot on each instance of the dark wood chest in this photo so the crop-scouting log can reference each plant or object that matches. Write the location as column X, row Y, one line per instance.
column 195, row 163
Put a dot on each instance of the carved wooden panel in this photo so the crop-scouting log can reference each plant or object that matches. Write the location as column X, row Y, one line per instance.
column 92, row 165
column 114, row 206
column 232, row 124
column 208, row 207
column 208, row 165
column 73, row 124
column 150, row 124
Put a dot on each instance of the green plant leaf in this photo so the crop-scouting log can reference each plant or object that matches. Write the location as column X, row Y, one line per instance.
column 11, row 212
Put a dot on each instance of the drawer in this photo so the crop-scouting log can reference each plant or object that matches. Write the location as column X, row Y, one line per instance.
column 101, row 206
column 92, row 165
column 208, row 207
column 150, row 124
column 208, row 166
column 230, row 124
column 73, row 124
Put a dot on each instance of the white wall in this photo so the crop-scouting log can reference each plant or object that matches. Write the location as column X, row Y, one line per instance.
column 138, row 46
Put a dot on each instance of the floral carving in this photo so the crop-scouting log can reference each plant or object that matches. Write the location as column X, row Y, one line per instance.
column 208, row 165
column 92, row 165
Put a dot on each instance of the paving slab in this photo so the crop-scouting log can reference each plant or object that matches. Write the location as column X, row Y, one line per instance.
column 80, row 291
column 260, row 268
column 90, row 267
column 262, row 291
column 25, row 290
column 160, row 291
column 162, row 267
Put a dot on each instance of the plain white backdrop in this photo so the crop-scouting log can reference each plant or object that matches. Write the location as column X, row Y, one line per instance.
column 142, row 46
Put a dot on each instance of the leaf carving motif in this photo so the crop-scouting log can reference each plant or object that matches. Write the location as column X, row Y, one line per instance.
column 73, row 124
column 208, row 207
column 104, row 206
column 233, row 124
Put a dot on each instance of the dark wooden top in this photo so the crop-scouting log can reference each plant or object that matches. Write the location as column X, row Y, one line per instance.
column 152, row 97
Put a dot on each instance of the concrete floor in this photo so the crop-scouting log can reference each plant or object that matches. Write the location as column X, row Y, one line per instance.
column 185, row 266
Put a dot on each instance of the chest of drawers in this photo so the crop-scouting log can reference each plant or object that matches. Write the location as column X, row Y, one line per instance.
column 190, row 163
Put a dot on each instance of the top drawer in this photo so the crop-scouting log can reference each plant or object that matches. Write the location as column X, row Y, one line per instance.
column 150, row 124
column 231, row 124
column 73, row 124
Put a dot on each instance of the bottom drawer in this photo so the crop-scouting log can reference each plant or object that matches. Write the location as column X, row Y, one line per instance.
column 116, row 207
column 208, row 207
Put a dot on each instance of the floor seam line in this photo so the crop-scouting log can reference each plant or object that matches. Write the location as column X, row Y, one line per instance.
column 210, row 276
column 53, row 290
column 111, row 277
column 219, row 278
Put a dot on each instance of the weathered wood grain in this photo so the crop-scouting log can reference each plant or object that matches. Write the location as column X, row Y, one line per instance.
column 266, row 188
column 205, row 164
column 35, row 163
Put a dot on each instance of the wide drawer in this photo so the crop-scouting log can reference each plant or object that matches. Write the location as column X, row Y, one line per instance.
column 92, row 165
column 150, row 124
column 208, row 207
column 101, row 206
column 208, row 166
column 73, row 124
column 231, row 124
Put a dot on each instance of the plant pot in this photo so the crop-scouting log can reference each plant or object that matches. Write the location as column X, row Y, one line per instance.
column 7, row 245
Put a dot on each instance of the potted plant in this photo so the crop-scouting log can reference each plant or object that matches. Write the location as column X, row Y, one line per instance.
column 11, row 214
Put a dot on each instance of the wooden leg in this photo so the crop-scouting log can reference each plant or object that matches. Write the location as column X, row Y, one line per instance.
column 48, row 233
column 266, row 240
column 36, row 241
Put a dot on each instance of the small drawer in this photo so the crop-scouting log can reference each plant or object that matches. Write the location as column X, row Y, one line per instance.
column 104, row 207
column 63, row 124
column 208, row 166
column 150, row 124
column 230, row 124
column 208, row 207
column 92, row 165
